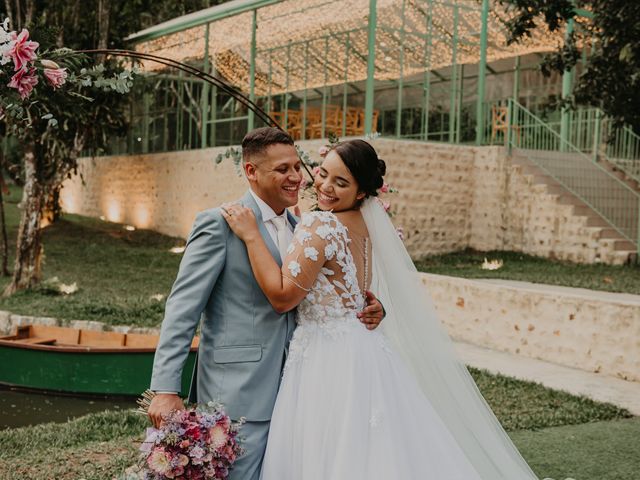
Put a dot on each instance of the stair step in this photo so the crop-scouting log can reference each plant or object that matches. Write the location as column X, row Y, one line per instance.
column 568, row 199
column 609, row 233
column 624, row 245
column 594, row 221
column 556, row 190
column 541, row 178
column 530, row 170
column 583, row 210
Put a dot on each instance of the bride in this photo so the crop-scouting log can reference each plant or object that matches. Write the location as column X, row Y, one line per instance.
column 394, row 403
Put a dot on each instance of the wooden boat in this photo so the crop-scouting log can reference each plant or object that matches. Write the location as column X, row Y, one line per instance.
column 70, row 360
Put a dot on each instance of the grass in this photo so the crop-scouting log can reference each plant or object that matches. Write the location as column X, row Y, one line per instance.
column 525, row 405
column 102, row 445
column 591, row 451
column 520, row 266
column 95, row 447
column 117, row 271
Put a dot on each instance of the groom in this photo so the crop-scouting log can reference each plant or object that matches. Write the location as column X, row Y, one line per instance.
column 243, row 340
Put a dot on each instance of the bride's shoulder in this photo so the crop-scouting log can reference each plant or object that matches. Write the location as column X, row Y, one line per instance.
column 317, row 216
column 321, row 219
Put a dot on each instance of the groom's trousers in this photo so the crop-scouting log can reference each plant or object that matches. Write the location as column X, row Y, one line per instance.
column 254, row 441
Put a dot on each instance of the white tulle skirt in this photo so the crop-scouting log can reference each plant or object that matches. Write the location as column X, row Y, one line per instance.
column 349, row 409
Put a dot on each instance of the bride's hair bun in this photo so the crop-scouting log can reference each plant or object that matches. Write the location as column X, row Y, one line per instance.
column 362, row 161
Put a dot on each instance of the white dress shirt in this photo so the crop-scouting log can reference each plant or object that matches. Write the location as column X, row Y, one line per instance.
column 267, row 214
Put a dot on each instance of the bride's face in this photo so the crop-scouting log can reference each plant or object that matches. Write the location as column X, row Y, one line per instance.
column 336, row 188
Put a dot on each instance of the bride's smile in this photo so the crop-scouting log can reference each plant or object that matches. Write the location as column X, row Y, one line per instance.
column 336, row 188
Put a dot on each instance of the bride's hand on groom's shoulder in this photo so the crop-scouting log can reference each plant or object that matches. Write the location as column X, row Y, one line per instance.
column 161, row 405
column 241, row 220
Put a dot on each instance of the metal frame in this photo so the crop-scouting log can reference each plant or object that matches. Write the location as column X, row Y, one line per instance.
column 409, row 122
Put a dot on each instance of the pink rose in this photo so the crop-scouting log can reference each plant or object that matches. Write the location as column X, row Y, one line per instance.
column 386, row 206
column 316, row 171
column 323, row 150
column 55, row 76
column 304, row 182
column 384, row 188
column 22, row 49
column 24, row 80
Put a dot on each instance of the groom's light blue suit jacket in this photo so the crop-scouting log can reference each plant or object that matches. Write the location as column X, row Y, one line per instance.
column 243, row 340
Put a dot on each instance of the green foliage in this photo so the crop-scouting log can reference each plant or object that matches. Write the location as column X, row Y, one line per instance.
column 611, row 77
column 73, row 23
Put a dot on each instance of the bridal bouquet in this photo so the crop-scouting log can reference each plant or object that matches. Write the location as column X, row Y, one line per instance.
column 198, row 443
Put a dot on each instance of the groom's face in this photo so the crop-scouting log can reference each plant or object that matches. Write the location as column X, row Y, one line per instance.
column 275, row 176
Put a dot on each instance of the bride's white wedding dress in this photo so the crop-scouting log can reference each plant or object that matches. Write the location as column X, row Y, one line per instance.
column 349, row 406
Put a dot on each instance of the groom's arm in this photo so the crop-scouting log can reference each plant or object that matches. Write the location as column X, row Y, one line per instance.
column 201, row 264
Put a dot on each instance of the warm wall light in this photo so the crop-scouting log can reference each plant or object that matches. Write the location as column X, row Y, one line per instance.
column 177, row 249
column 141, row 215
column 130, row 228
column 114, row 212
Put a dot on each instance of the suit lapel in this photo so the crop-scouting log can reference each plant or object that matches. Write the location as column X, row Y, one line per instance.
column 248, row 201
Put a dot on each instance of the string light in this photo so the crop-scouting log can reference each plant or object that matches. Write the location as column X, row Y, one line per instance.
column 302, row 44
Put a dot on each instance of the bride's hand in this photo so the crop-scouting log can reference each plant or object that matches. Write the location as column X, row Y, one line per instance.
column 241, row 220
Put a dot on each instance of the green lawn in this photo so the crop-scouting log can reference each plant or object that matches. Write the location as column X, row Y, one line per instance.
column 559, row 434
column 519, row 266
column 119, row 271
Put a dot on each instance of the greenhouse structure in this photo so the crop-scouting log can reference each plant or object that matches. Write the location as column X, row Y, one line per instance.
column 425, row 70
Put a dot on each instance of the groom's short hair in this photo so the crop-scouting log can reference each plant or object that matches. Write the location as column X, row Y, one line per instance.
column 257, row 141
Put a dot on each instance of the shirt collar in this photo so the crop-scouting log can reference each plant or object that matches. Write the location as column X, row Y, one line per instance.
column 266, row 211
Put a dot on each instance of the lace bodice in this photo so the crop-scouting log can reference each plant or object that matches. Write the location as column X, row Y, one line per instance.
column 321, row 240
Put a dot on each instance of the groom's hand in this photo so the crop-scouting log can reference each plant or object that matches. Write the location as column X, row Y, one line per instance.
column 373, row 313
column 161, row 405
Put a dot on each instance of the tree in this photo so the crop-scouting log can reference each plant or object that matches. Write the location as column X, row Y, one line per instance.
column 611, row 77
column 54, row 125
column 56, row 103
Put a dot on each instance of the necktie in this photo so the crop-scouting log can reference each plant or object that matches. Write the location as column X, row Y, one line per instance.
column 281, row 234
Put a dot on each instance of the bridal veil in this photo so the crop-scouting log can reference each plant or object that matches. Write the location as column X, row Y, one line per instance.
column 412, row 326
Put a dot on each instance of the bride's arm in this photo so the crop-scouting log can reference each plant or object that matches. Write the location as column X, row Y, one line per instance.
column 284, row 287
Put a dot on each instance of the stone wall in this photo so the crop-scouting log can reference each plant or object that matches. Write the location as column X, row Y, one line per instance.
column 593, row 331
column 451, row 197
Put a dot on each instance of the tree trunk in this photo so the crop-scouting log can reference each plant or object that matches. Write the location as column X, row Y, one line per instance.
column 7, row 5
column 27, row 268
column 104, row 10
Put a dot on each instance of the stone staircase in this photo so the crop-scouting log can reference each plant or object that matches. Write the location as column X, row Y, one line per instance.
column 597, row 238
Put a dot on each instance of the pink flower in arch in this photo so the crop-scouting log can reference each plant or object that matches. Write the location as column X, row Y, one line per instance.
column 24, row 80
column 55, row 76
column 22, row 49
column 384, row 188
column 323, row 150
column 315, row 171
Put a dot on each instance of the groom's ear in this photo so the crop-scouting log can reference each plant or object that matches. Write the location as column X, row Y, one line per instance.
column 249, row 170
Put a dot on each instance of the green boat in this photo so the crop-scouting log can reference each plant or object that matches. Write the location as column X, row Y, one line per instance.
column 68, row 360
